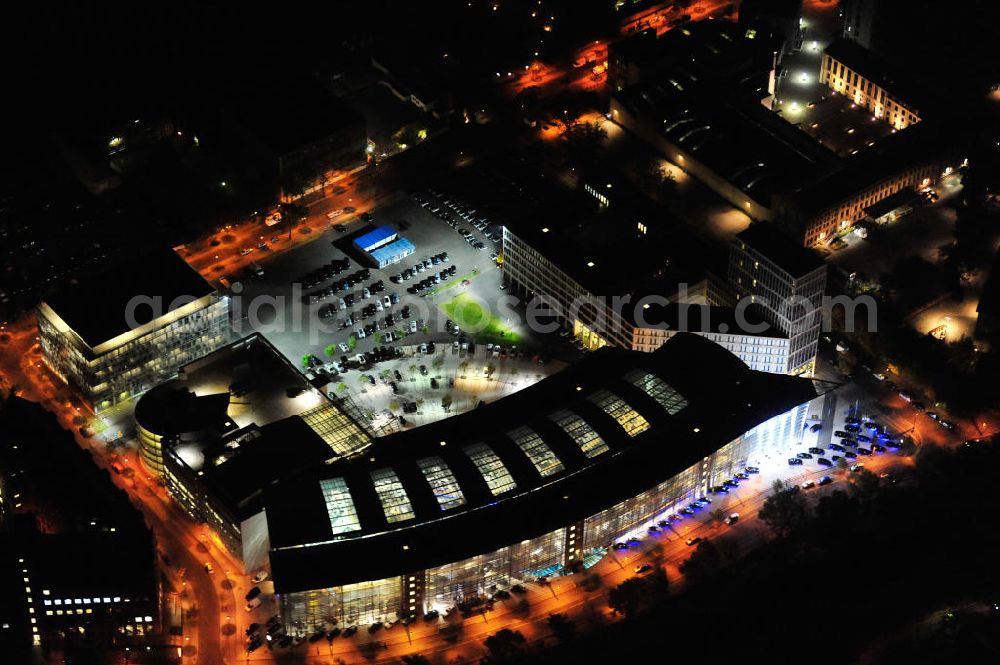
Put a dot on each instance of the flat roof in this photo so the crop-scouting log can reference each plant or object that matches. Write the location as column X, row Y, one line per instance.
column 600, row 247
column 547, row 456
column 374, row 237
column 926, row 141
column 95, row 308
column 238, row 475
column 393, row 249
column 887, row 205
column 740, row 140
column 780, row 248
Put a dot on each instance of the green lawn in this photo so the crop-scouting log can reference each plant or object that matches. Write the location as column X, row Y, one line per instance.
column 472, row 317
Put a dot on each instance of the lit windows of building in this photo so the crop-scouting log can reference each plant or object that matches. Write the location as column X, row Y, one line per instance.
column 589, row 441
column 339, row 506
column 664, row 394
column 442, row 481
column 392, row 496
column 491, row 468
column 541, row 456
column 630, row 420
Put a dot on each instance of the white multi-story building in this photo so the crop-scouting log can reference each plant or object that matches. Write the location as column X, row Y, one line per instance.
column 119, row 334
column 787, row 282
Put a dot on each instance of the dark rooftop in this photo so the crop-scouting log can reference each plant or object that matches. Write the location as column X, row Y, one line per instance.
column 237, row 476
column 739, row 140
column 720, row 399
column 789, row 255
column 95, row 308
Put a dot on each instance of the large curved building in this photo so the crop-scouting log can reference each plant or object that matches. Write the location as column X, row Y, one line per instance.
column 538, row 483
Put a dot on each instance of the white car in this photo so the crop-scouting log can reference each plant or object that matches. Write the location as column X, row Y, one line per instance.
column 423, row 348
column 413, row 327
column 253, row 603
column 259, row 577
column 386, row 301
column 343, row 347
column 360, row 332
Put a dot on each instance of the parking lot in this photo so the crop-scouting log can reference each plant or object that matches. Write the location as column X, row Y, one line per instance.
column 280, row 303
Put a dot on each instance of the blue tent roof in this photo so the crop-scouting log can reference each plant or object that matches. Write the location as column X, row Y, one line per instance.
column 375, row 238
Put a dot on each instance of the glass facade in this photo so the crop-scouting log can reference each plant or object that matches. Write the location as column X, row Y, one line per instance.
column 631, row 420
column 541, row 456
column 444, row 586
column 349, row 605
column 495, row 474
column 589, row 441
column 442, row 481
column 454, row 582
column 339, row 506
column 135, row 363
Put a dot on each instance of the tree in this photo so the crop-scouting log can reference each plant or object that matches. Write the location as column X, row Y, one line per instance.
column 330, row 350
column 717, row 515
column 784, row 512
column 562, row 627
column 505, row 646
column 369, row 650
column 306, row 360
column 415, row 659
column 703, row 562
column 446, row 402
column 865, row 484
column 637, row 594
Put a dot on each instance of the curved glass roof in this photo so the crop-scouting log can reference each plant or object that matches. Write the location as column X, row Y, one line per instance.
column 490, row 467
column 339, row 506
column 391, row 494
column 630, row 420
column 541, row 456
column 442, row 481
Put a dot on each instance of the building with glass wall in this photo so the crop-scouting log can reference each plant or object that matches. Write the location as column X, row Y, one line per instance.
column 118, row 334
column 541, row 483
column 230, row 424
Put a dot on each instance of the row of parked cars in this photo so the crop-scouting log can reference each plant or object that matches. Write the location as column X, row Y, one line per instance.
column 451, row 207
column 419, row 267
column 346, row 284
column 431, row 280
column 323, row 273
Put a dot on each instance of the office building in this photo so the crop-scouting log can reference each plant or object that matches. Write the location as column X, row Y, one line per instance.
column 857, row 73
column 787, row 282
column 61, row 517
column 541, row 483
column 117, row 334
column 233, row 422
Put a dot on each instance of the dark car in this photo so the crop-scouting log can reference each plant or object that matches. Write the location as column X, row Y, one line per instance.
column 822, row 461
column 864, row 451
column 825, row 480
column 804, row 455
column 817, row 451
column 375, row 627
column 517, row 588
column 350, row 630
column 253, row 593
column 794, row 461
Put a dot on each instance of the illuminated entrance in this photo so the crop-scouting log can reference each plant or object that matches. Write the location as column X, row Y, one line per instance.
column 591, row 340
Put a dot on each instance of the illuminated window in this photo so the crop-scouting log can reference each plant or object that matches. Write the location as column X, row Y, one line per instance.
column 339, row 506
column 631, row 420
column 392, row 495
column 493, row 471
column 589, row 441
column 664, row 394
column 532, row 445
column 442, row 481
